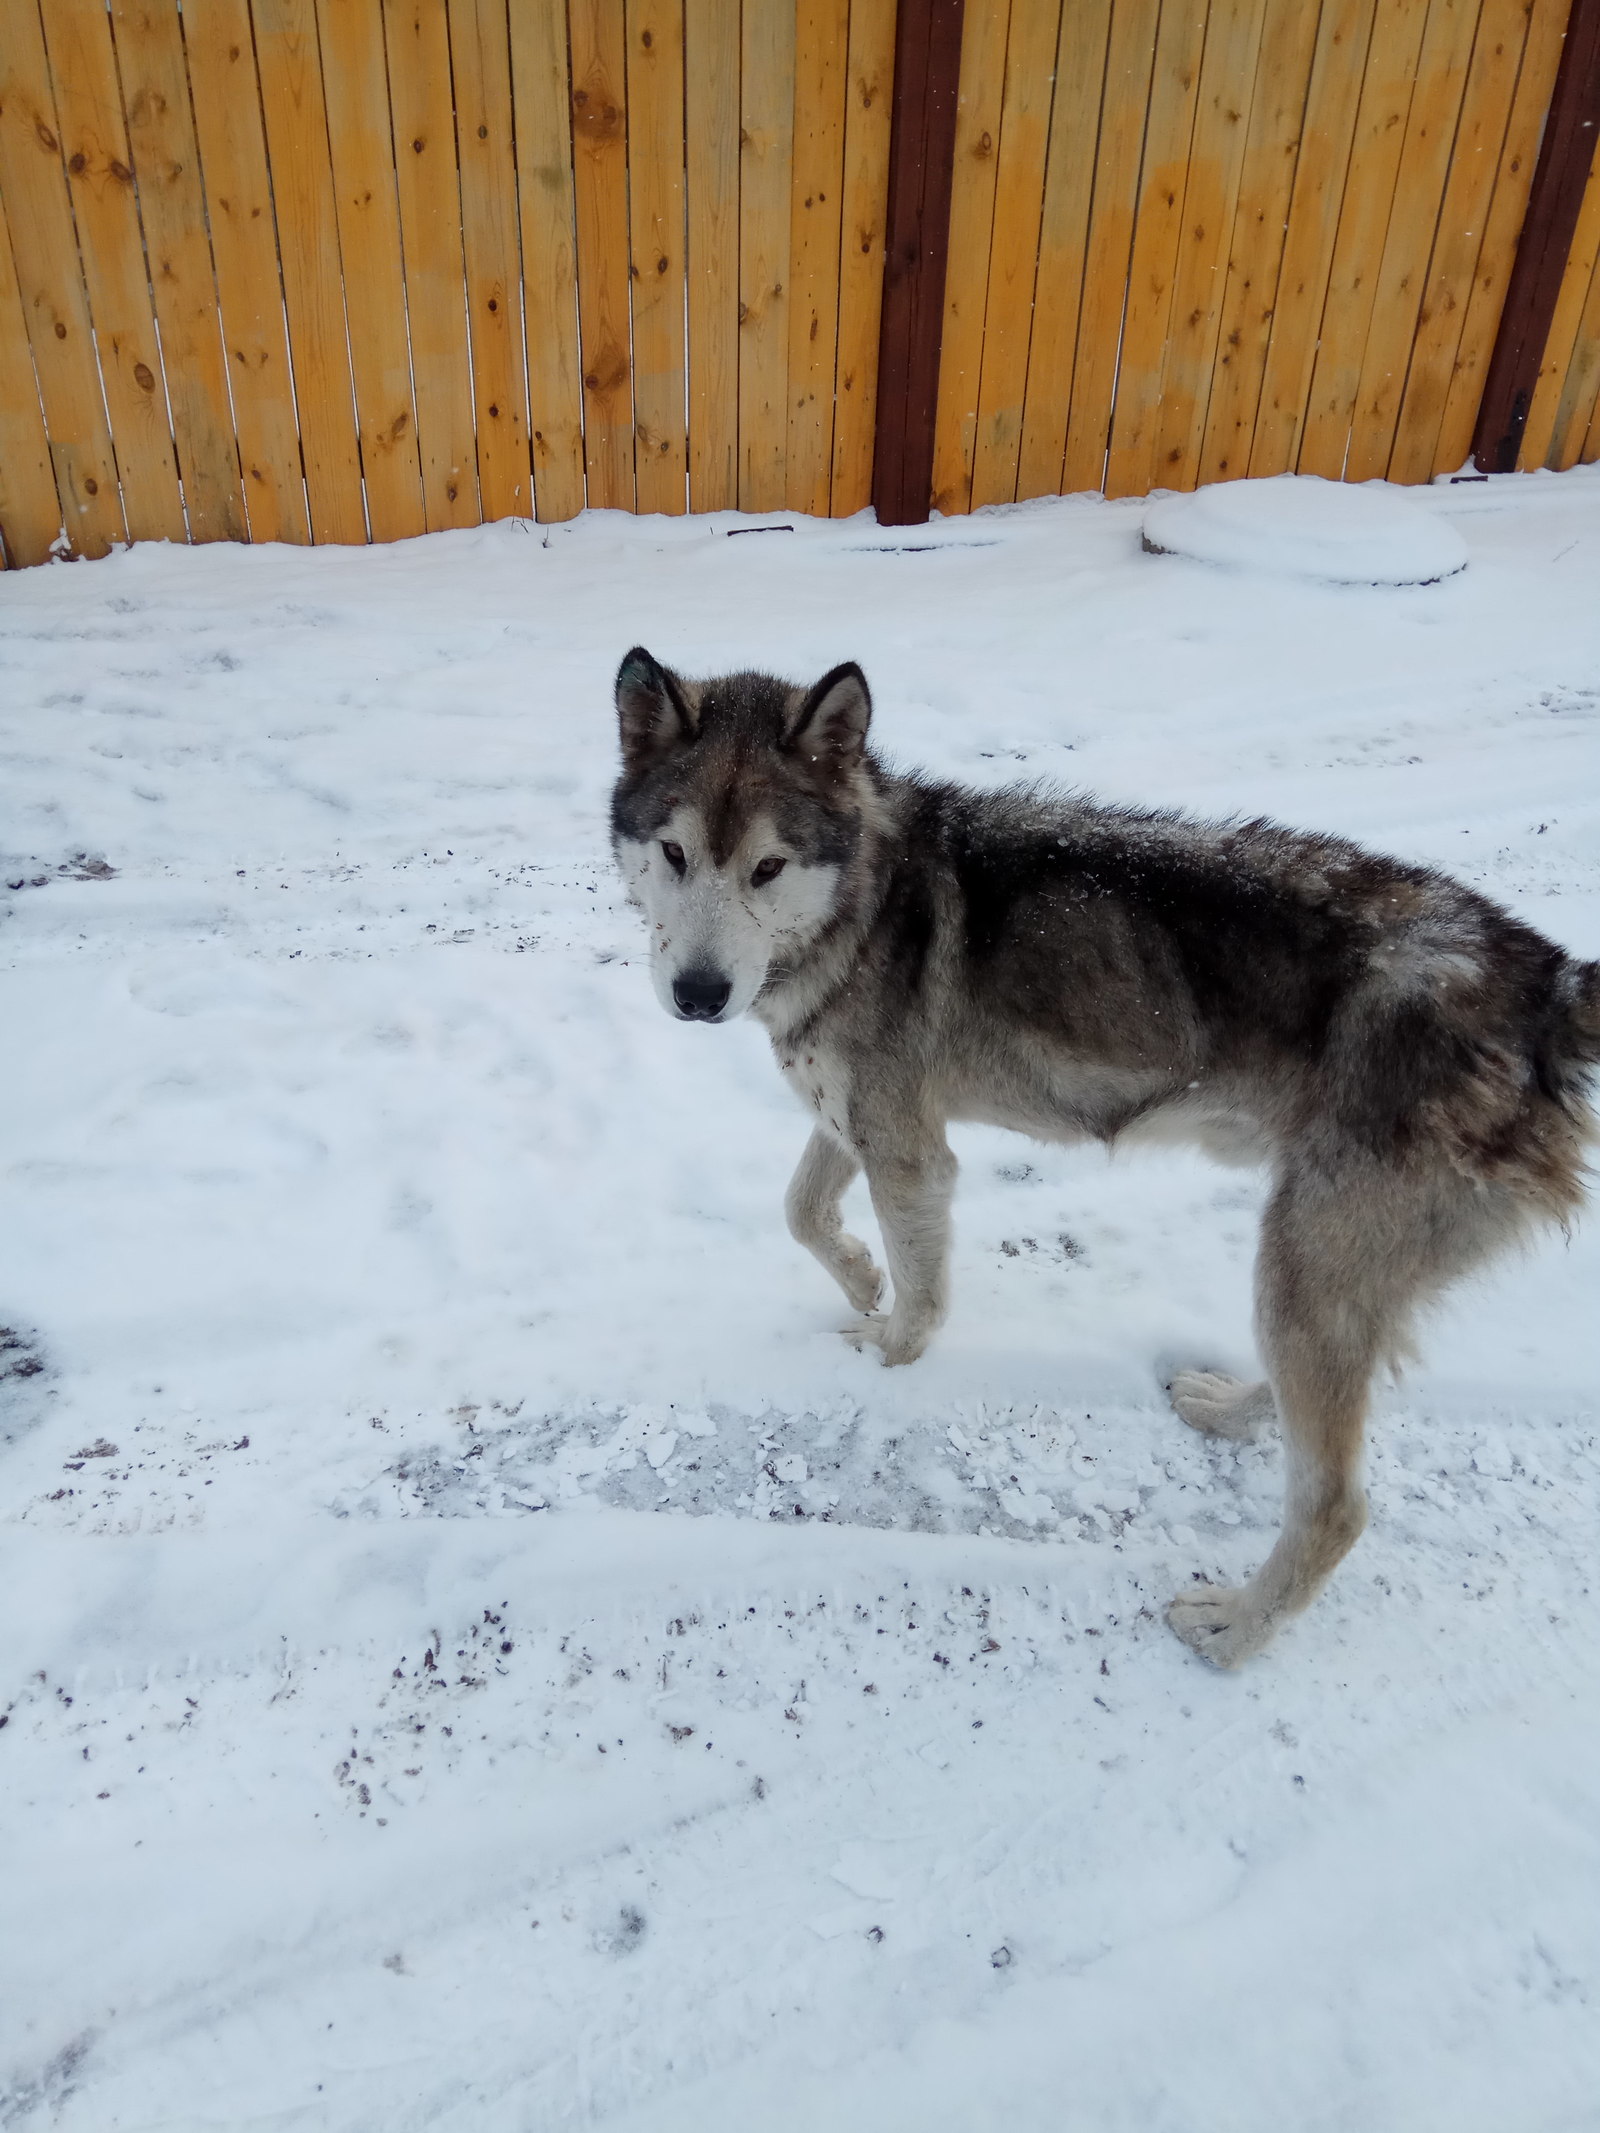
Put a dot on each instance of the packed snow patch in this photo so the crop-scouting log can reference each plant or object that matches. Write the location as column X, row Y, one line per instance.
column 1301, row 526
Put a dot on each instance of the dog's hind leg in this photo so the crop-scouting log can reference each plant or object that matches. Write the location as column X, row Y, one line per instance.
column 1210, row 1400
column 812, row 1207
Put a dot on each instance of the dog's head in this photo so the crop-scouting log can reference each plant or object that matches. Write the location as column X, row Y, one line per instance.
column 735, row 820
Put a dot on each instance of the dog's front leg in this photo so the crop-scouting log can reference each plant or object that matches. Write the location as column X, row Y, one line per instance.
column 911, row 1186
column 812, row 1207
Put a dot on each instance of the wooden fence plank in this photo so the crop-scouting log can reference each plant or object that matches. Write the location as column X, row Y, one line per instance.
column 1580, row 391
column 711, row 119
column 1075, row 124
column 105, row 208
column 1480, row 139
column 1539, row 435
column 1369, row 200
column 166, row 162
column 1210, row 202
column 822, row 53
column 422, row 113
column 600, row 175
column 1260, row 225
column 1414, row 222
column 481, row 54
column 226, row 105
column 1152, row 271
column 30, row 510
column 1332, row 110
column 355, row 80
column 542, row 96
column 866, row 194
column 966, row 282
column 1130, row 54
column 1013, row 269
column 55, row 306
column 657, row 239
column 1464, row 395
column 308, row 240
column 766, row 140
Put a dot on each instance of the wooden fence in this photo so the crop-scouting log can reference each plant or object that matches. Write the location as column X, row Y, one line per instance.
column 340, row 270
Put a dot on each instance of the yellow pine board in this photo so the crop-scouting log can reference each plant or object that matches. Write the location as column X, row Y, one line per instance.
column 481, row 53
column 822, row 53
column 1539, row 439
column 600, row 177
column 1014, row 254
column 166, row 161
column 1580, row 393
column 1332, row 109
column 105, row 208
column 30, row 510
column 766, row 161
column 1502, row 225
column 1437, row 103
column 1075, row 121
column 55, row 309
column 1255, row 253
column 308, row 249
column 1210, row 201
column 656, row 227
column 981, row 98
column 711, row 119
column 355, row 81
column 244, row 250
column 1153, row 266
column 1130, row 53
column 865, row 208
column 542, row 98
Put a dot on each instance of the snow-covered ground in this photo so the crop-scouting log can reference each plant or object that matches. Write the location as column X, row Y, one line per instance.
column 479, row 1651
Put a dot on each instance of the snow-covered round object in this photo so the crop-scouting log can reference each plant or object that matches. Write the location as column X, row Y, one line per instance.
column 1298, row 525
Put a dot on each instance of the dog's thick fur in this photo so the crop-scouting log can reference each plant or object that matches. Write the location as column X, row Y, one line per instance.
column 1411, row 1062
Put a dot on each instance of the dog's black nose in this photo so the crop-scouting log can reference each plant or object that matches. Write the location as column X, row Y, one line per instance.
column 700, row 995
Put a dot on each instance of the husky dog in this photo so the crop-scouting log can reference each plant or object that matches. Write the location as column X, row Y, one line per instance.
column 1412, row 1063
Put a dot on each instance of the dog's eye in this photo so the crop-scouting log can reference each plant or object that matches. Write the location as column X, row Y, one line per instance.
column 674, row 857
column 768, row 870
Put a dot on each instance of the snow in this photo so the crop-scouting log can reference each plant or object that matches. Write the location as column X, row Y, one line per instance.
column 1299, row 525
column 482, row 1653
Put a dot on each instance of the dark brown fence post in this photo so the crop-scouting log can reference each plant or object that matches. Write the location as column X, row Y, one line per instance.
column 1570, row 134
column 922, row 145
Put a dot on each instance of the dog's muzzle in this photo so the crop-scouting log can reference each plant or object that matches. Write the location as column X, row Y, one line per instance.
column 700, row 995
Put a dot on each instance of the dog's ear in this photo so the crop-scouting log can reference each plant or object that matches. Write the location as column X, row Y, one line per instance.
column 830, row 723
column 653, row 712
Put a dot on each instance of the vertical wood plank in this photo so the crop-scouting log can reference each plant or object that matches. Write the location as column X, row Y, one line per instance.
column 542, row 98
column 1480, row 139
column 822, row 54
column 1075, row 124
column 1152, row 270
column 30, row 510
column 166, row 162
column 1369, row 199
column 1332, row 112
column 1014, row 255
column 766, row 164
column 1210, row 203
column 355, row 79
column 600, row 176
column 244, row 249
column 422, row 114
column 1580, row 389
column 657, row 238
column 481, row 51
column 1414, row 222
column 966, row 284
column 1464, row 395
column 1539, row 435
column 861, row 251
column 1130, row 56
column 711, row 118
column 1260, row 225
column 308, row 234
column 105, row 209
column 55, row 307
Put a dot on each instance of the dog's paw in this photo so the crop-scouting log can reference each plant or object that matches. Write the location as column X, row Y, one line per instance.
column 860, row 1279
column 895, row 1343
column 1209, row 1400
column 1220, row 1623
